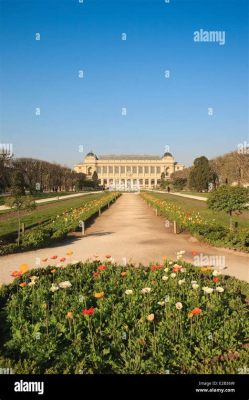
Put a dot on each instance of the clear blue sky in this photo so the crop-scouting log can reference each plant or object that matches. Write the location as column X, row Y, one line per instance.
column 120, row 74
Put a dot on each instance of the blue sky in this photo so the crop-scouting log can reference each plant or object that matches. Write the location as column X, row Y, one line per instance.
column 160, row 112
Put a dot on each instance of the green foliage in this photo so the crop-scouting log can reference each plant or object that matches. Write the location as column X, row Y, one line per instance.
column 17, row 184
column 46, row 332
column 200, row 174
column 179, row 183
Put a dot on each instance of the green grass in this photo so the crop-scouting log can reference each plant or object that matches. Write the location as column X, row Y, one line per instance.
column 38, row 196
column 200, row 206
column 44, row 213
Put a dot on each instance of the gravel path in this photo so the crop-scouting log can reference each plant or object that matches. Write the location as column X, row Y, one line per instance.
column 131, row 230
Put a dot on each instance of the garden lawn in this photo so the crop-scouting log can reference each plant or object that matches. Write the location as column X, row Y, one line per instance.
column 8, row 222
column 191, row 205
column 38, row 196
column 98, row 317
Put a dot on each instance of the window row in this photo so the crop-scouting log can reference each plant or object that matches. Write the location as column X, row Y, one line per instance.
column 128, row 169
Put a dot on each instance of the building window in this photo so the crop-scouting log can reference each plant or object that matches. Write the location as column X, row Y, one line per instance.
column 152, row 170
column 153, row 181
column 104, row 170
column 111, row 181
column 99, row 170
column 167, row 171
column 122, row 169
column 116, row 169
column 105, row 181
column 110, row 170
column 141, row 182
column 134, row 170
column 128, row 169
column 158, row 170
column 146, row 170
column 134, row 181
column 159, row 181
column 146, row 181
column 140, row 170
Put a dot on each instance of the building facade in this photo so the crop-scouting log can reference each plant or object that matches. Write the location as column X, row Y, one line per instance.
column 129, row 172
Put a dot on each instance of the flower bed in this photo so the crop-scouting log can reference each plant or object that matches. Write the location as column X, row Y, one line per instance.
column 207, row 230
column 103, row 318
column 58, row 228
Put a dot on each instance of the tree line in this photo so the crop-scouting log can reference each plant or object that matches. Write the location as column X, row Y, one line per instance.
column 32, row 175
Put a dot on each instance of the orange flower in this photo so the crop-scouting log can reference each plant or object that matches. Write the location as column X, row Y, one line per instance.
column 95, row 274
column 53, row 257
column 14, row 274
column 194, row 253
column 190, row 315
column 69, row 253
column 123, row 273
column 101, row 267
column 23, row 284
column 108, row 256
column 215, row 280
column 70, row 315
column 177, row 268
column 62, row 259
column 53, row 271
column 24, row 268
column 196, row 311
column 99, row 295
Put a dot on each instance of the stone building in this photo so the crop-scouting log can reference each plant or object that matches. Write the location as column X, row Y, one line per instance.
column 129, row 172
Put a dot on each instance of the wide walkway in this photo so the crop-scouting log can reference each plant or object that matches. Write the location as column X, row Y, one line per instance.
column 129, row 229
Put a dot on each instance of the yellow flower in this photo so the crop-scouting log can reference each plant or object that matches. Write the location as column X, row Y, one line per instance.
column 99, row 295
column 123, row 273
column 190, row 315
column 23, row 284
column 69, row 253
column 24, row 268
column 70, row 315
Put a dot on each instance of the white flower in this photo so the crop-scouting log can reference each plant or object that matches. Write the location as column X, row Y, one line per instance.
column 161, row 303
column 179, row 306
column 173, row 275
column 181, row 281
column 75, row 262
column 146, row 290
column 219, row 289
column 166, row 269
column 170, row 262
column 54, row 288
column 59, row 265
column 207, row 290
column 32, row 283
column 129, row 291
column 167, row 299
column 34, row 278
column 195, row 286
column 215, row 273
column 183, row 270
column 65, row 285
column 165, row 278
column 193, row 282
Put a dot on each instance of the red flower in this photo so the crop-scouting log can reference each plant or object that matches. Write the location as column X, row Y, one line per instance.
column 53, row 257
column 108, row 256
column 194, row 253
column 62, row 259
column 15, row 274
column 95, row 274
column 88, row 311
column 177, row 269
column 101, row 267
column 196, row 311
column 215, row 280
column 153, row 268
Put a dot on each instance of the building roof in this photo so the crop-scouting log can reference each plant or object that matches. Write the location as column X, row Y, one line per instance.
column 128, row 157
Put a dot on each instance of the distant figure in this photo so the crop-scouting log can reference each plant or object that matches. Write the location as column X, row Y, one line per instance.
column 168, row 189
